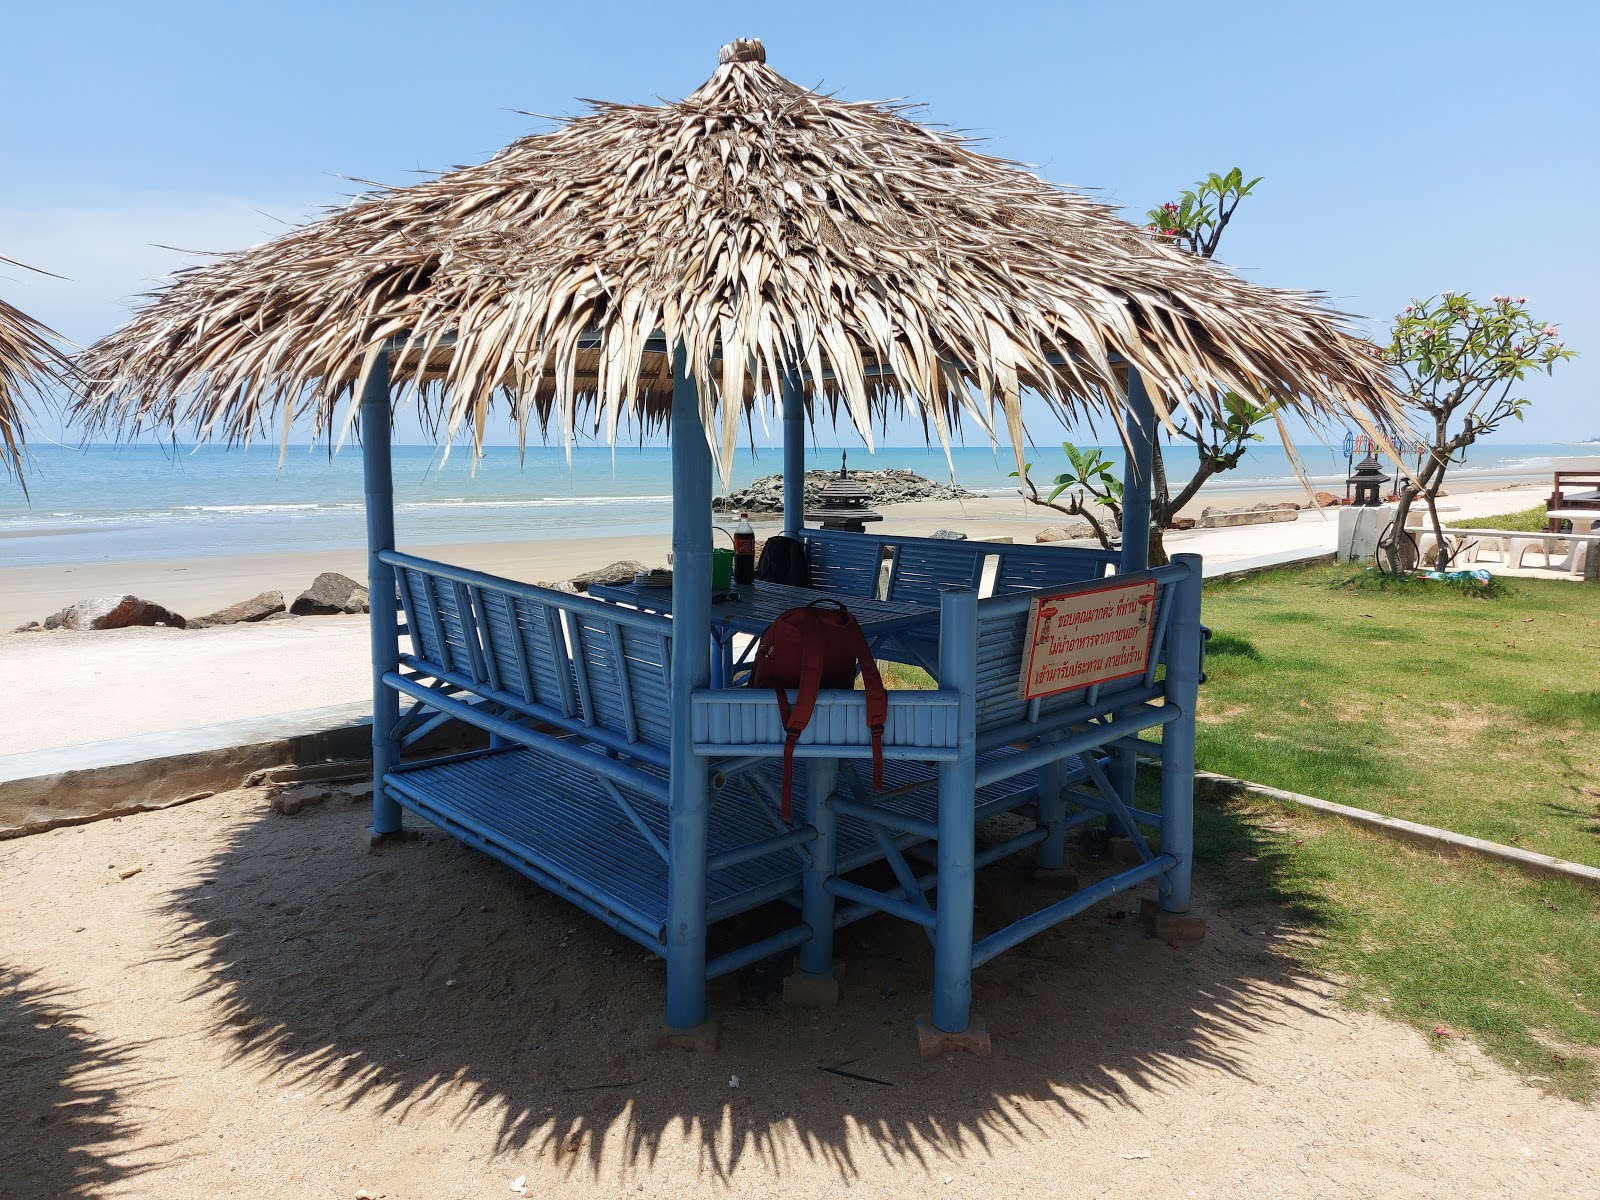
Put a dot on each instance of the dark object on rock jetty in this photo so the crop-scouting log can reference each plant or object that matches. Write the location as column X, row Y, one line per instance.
column 843, row 504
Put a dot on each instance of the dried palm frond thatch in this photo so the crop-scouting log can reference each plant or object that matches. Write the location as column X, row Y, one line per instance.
column 766, row 227
column 29, row 362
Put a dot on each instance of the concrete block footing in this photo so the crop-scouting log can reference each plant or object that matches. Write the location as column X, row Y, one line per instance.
column 376, row 840
column 933, row 1041
column 1124, row 852
column 812, row 991
column 1061, row 879
column 1172, row 927
column 697, row 1039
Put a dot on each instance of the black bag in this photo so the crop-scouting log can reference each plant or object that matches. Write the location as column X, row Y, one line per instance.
column 783, row 560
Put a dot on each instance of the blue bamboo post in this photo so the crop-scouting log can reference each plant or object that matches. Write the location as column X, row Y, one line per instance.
column 794, row 453
column 1052, row 852
column 1137, row 482
column 377, row 478
column 816, row 954
column 1140, row 427
column 1184, row 636
column 952, row 933
column 689, row 797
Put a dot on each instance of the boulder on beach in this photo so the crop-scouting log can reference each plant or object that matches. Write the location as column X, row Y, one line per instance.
column 1182, row 523
column 1065, row 533
column 617, row 572
column 1327, row 500
column 257, row 608
column 948, row 535
column 329, row 594
column 113, row 612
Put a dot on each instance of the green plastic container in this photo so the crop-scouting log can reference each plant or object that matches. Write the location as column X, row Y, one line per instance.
column 721, row 569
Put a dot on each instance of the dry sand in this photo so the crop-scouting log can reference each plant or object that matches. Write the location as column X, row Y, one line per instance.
column 89, row 687
column 265, row 1010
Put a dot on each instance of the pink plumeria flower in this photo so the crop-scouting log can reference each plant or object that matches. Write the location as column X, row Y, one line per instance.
column 1550, row 331
column 1522, row 299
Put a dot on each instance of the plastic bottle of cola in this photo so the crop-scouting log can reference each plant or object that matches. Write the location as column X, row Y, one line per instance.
column 744, row 551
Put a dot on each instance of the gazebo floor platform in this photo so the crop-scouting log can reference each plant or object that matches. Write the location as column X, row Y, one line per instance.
column 555, row 824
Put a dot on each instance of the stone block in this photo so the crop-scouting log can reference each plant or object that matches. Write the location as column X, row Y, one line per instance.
column 811, row 991
column 330, row 593
column 257, row 608
column 376, row 841
column 697, row 1039
column 932, row 1042
column 113, row 612
column 1184, row 928
column 1063, row 879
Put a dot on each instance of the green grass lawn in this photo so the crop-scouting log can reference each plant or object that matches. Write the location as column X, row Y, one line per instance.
column 1529, row 520
column 1475, row 713
column 1459, row 948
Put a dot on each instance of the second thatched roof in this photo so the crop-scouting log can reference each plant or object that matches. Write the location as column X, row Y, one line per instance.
column 30, row 361
column 765, row 227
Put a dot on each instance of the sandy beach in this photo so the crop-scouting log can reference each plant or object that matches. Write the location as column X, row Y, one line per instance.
column 92, row 687
column 265, row 1010
column 195, row 586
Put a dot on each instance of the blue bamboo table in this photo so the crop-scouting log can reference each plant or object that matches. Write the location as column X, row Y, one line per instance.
column 751, row 607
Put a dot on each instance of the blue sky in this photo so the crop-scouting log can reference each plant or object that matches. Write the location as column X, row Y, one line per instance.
column 1406, row 148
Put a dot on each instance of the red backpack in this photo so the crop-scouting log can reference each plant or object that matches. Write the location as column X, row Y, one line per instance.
column 818, row 646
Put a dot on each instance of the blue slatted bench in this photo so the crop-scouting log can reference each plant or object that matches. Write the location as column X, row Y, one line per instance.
column 573, row 790
column 574, row 691
column 1044, row 757
column 917, row 569
column 853, row 564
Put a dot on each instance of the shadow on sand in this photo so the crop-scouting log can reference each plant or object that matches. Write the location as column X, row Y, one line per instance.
column 430, row 980
column 60, row 1097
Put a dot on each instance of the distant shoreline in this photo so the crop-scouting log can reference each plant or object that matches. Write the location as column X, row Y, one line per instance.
column 199, row 584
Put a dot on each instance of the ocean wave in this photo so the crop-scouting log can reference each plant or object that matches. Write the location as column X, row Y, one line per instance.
column 455, row 504
column 1513, row 465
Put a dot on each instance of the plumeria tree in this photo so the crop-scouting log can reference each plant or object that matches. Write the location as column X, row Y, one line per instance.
column 1459, row 363
column 1196, row 219
column 1193, row 223
column 1088, row 488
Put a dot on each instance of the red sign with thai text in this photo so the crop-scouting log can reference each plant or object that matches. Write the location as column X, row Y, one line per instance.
column 1080, row 638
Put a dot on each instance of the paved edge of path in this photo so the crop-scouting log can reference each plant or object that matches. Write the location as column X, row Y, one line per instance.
column 1442, row 840
column 69, row 785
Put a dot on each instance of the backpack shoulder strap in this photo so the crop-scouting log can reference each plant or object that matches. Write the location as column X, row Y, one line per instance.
column 798, row 716
column 877, row 696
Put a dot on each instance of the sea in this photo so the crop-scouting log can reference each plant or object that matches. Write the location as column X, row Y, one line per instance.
column 130, row 502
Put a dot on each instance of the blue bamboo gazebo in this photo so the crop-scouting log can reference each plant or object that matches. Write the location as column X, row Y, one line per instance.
column 757, row 250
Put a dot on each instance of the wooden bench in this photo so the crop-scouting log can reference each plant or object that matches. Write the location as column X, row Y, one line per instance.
column 1575, row 487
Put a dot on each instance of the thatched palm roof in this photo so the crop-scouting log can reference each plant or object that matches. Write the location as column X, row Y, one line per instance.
column 29, row 362
column 770, row 229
